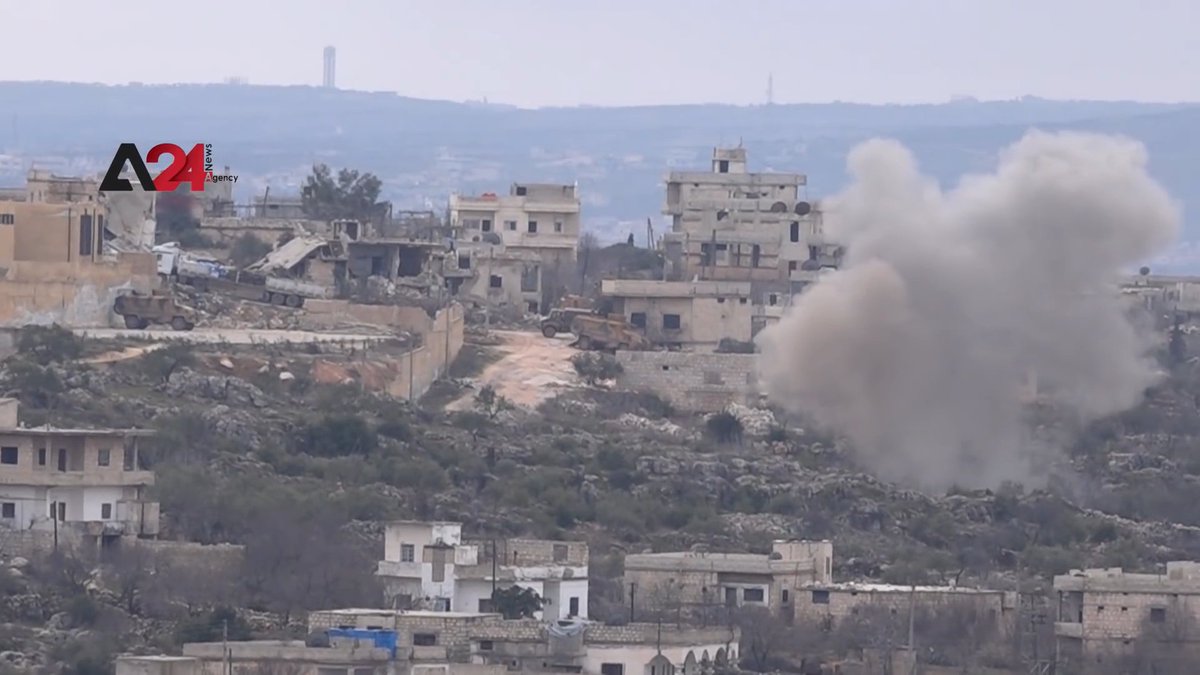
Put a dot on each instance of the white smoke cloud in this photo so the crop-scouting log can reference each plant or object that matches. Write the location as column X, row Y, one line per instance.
column 916, row 348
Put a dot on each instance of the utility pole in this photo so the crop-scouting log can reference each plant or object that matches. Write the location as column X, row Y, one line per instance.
column 228, row 662
column 912, row 650
column 493, row 572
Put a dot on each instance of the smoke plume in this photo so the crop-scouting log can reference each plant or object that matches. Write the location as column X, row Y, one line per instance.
column 916, row 349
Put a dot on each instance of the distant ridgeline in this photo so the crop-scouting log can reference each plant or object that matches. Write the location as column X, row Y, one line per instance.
column 423, row 149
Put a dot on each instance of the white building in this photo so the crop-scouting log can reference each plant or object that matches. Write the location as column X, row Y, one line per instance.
column 85, row 480
column 429, row 565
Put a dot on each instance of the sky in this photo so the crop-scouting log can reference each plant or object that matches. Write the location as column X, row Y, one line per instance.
column 535, row 53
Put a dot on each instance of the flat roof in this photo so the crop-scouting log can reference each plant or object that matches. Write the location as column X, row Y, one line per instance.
column 53, row 431
column 423, row 522
column 417, row 613
column 855, row 587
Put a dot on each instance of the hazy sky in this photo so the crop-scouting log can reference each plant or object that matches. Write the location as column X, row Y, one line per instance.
column 621, row 52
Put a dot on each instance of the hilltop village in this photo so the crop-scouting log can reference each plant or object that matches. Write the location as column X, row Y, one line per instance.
column 313, row 434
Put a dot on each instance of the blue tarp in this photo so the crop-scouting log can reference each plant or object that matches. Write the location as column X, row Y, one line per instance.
column 382, row 639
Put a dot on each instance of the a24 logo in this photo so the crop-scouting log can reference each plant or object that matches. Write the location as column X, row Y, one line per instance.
column 193, row 168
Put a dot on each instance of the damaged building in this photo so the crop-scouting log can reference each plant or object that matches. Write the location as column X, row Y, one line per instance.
column 125, row 221
column 533, row 222
column 741, row 246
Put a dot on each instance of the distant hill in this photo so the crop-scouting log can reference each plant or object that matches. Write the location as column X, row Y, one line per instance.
column 425, row 149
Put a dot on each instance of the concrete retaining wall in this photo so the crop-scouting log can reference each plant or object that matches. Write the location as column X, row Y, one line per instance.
column 76, row 294
column 692, row 381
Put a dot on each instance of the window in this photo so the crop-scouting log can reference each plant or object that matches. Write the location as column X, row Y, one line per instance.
column 62, row 511
column 510, row 225
column 407, row 552
column 612, row 669
column 424, row 639
column 785, row 597
column 8, row 510
column 103, row 457
column 772, row 299
column 793, row 265
column 741, row 301
column 495, row 281
column 637, row 319
column 521, row 191
column 671, row 321
column 486, row 606
column 795, row 231
column 558, row 226
column 723, row 166
column 485, row 645
column 752, row 594
column 1158, row 614
column 41, row 457
column 813, row 252
column 573, row 607
column 560, row 552
column 485, row 225
column 820, row 597
column 755, row 255
column 531, row 307
column 8, row 455
column 533, row 227
column 7, row 219
column 105, row 511
column 720, row 301
column 464, row 261
column 85, row 234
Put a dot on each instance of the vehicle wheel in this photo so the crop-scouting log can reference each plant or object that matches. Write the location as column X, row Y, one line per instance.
column 132, row 322
column 279, row 299
column 549, row 331
column 119, row 306
column 143, row 324
column 294, row 301
column 266, row 297
column 180, row 323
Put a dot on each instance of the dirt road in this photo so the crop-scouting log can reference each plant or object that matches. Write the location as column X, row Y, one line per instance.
column 532, row 369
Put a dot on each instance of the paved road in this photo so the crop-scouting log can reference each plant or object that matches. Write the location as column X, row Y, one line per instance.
column 237, row 336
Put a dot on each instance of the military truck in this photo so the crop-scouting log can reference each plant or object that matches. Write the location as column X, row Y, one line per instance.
column 561, row 318
column 607, row 332
column 140, row 310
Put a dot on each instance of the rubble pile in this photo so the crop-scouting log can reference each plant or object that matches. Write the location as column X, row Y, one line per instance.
column 218, row 310
column 755, row 421
column 631, row 421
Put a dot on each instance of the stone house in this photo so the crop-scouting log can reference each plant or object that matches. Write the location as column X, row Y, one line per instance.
column 532, row 645
column 693, row 582
column 74, row 481
column 1105, row 614
column 430, row 565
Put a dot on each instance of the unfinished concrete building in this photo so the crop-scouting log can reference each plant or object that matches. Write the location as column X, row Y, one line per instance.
column 1106, row 615
column 124, row 221
column 430, row 565
column 538, row 218
column 691, row 583
column 79, row 482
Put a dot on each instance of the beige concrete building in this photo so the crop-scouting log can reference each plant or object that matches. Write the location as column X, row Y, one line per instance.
column 87, row 481
column 1104, row 615
column 534, row 217
column 688, row 582
column 487, row 640
column 494, row 274
column 431, row 565
column 728, row 224
column 830, row 602
column 126, row 220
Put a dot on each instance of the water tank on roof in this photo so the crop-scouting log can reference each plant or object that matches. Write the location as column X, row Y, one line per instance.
column 803, row 208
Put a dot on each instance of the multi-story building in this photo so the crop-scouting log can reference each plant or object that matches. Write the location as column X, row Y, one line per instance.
column 830, row 602
column 533, row 217
column 84, row 481
column 694, row 581
column 1105, row 615
column 430, row 565
column 728, row 224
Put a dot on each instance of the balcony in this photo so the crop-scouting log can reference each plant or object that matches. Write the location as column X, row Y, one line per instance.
column 50, row 478
column 1065, row 629
column 404, row 570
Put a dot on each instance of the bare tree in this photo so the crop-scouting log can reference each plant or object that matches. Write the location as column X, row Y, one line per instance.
column 130, row 568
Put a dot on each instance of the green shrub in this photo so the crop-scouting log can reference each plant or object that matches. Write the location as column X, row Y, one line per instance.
column 338, row 436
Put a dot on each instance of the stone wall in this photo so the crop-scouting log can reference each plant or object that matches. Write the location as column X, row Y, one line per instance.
column 24, row 543
column 79, row 295
column 441, row 339
column 220, row 559
column 692, row 381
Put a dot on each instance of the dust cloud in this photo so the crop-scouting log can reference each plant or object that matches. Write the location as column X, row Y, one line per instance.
column 917, row 348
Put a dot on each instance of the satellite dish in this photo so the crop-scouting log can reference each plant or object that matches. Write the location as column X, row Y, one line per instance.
column 810, row 265
column 803, row 208
column 779, row 207
column 492, row 238
column 1144, row 271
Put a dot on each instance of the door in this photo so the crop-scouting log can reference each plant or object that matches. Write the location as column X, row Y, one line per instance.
column 62, row 459
column 574, row 607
